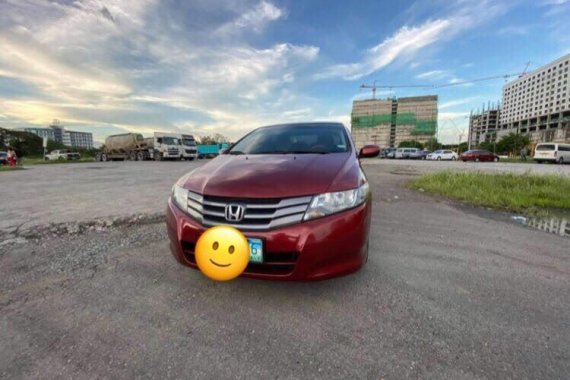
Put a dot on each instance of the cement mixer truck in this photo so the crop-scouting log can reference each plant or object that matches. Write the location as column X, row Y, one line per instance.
column 126, row 146
column 134, row 147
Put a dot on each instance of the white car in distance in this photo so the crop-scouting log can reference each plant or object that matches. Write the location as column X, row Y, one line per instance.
column 443, row 154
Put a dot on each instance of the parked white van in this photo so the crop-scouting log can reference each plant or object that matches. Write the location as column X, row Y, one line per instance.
column 552, row 152
column 406, row 153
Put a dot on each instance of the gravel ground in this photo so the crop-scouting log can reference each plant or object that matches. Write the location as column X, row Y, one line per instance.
column 449, row 292
column 106, row 192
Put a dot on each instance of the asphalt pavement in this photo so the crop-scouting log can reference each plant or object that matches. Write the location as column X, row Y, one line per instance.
column 449, row 292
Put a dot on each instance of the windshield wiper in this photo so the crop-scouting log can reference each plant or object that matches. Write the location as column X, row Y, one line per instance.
column 235, row 152
column 293, row 152
column 308, row 152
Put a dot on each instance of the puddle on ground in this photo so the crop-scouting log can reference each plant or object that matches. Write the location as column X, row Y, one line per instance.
column 554, row 224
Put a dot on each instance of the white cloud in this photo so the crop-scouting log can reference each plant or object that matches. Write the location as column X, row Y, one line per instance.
column 458, row 102
column 409, row 43
column 132, row 65
column 434, row 74
column 555, row 2
column 258, row 17
column 406, row 42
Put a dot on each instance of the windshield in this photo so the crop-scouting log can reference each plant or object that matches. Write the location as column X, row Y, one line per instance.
column 189, row 142
column 170, row 141
column 293, row 139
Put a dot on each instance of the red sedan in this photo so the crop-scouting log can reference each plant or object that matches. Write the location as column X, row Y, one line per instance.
column 479, row 155
column 296, row 191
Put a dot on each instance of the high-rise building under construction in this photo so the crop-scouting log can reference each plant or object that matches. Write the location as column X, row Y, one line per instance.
column 388, row 122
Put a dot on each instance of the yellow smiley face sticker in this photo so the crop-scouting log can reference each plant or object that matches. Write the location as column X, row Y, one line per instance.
column 222, row 253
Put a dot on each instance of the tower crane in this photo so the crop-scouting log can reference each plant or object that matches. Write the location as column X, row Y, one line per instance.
column 374, row 86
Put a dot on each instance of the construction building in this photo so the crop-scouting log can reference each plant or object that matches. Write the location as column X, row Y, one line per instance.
column 483, row 125
column 388, row 122
column 538, row 103
column 58, row 133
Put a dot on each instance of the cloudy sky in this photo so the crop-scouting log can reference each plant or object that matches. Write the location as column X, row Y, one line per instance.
column 207, row 66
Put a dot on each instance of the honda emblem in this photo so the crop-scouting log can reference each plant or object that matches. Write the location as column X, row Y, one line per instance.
column 234, row 212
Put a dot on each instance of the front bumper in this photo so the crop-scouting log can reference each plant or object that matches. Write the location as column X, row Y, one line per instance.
column 319, row 249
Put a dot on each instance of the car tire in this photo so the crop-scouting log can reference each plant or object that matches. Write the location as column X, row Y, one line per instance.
column 539, row 161
column 561, row 161
column 477, row 159
column 104, row 157
column 496, row 159
column 191, row 158
column 439, row 158
column 158, row 157
column 453, row 158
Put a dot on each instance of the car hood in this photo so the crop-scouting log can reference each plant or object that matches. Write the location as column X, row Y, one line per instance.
column 275, row 176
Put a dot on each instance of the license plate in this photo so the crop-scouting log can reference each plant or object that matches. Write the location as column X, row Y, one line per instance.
column 255, row 250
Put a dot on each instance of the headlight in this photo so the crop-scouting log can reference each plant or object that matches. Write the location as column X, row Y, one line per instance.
column 331, row 203
column 180, row 197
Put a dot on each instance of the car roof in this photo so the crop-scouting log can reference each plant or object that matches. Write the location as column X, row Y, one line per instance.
column 306, row 124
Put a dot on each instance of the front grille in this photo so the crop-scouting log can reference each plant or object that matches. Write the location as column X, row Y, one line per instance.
column 190, row 151
column 276, row 263
column 259, row 215
column 173, row 151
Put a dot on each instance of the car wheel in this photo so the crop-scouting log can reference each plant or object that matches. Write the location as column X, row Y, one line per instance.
column 538, row 161
column 477, row 159
column 158, row 156
column 561, row 161
column 191, row 158
column 104, row 157
column 453, row 158
column 496, row 159
column 439, row 158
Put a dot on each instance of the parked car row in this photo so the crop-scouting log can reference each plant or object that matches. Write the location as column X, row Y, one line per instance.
column 544, row 152
column 3, row 158
column 442, row 154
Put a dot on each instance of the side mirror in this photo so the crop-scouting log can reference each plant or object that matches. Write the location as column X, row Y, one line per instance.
column 368, row 151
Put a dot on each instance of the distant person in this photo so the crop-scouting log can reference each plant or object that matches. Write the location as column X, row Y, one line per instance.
column 524, row 152
column 12, row 157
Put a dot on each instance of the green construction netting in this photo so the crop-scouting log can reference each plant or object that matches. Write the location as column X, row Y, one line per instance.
column 371, row 120
column 423, row 127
